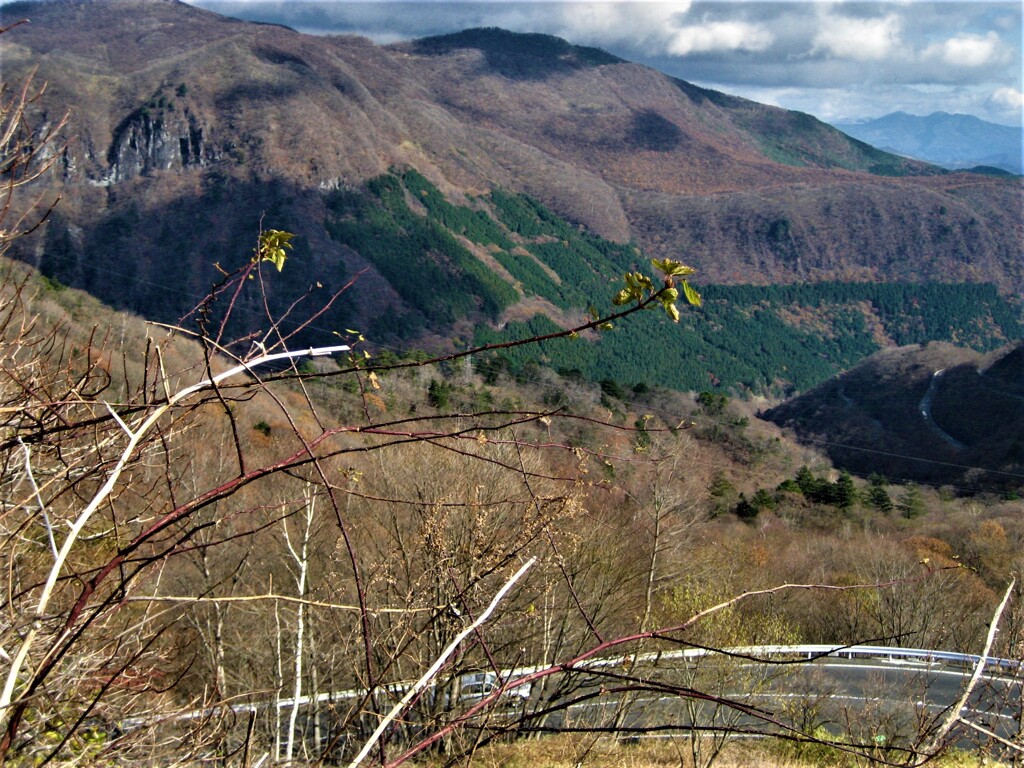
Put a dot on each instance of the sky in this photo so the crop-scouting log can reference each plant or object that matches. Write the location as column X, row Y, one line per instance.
column 840, row 61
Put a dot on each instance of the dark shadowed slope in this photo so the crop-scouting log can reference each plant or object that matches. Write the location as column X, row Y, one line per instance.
column 937, row 414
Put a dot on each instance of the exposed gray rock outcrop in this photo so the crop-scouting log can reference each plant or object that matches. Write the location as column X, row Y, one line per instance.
column 157, row 138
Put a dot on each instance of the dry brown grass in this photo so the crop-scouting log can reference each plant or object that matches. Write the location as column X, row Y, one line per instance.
column 570, row 751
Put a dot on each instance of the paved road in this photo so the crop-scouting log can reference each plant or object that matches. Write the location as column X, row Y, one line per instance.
column 870, row 699
column 871, row 693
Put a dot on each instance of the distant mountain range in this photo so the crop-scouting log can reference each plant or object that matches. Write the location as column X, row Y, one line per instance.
column 952, row 141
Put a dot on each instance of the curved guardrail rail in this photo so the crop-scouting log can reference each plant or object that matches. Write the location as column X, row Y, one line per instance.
column 1013, row 667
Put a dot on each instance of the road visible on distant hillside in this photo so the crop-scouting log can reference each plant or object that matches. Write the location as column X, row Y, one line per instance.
column 926, row 412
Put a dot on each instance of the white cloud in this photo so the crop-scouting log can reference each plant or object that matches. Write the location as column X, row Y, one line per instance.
column 647, row 25
column 826, row 57
column 966, row 50
column 719, row 36
column 859, row 39
column 1011, row 98
column 657, row 28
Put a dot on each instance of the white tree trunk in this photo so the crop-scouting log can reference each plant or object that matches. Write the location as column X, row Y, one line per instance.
column 278, row 677
column 301, row 557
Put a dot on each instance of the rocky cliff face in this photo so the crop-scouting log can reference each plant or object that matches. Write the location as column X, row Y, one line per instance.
column 153, row 141
column 157, row 138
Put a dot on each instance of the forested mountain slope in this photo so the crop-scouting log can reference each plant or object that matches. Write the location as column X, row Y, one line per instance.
column 208, row 532
column 765, row 339
column 188, row 130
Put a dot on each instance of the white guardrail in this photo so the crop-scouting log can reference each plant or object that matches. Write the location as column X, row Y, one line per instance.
column 887, row 653
column 766, row 653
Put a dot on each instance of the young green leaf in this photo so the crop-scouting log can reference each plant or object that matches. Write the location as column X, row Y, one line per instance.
column 692, row 296
column 672, row 268
column 622, row 297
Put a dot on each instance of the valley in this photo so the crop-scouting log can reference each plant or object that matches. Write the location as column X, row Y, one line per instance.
column 327, row 376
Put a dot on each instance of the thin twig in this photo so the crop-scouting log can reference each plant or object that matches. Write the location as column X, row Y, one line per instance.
column 271, row 596
column 7, row 694
column 39, row 497
column 991, row 734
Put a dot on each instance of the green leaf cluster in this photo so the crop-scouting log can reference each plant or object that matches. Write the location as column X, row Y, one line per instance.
column 639, row 288
column 273, row 246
